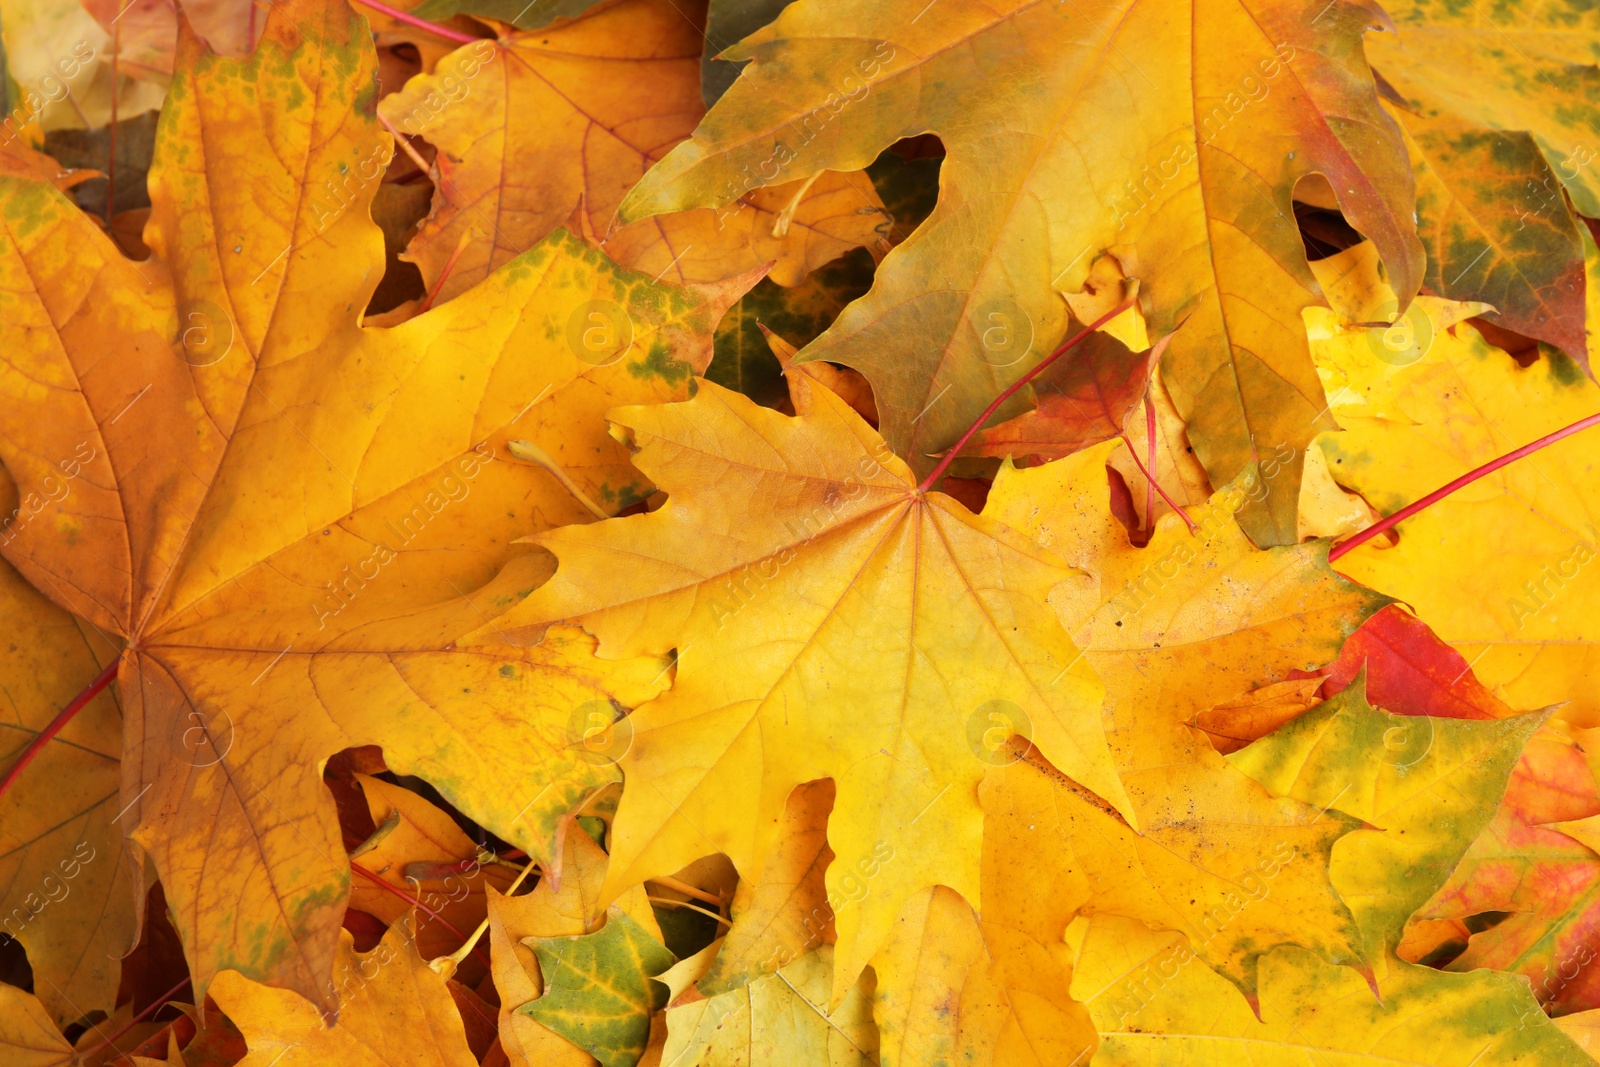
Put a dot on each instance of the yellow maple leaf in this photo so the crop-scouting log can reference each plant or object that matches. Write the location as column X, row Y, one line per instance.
column 831, row 619
column 955, row 988
column 68, row 896
column 1169, row 136
column 614, row 90
column 396, row 1013
column 778, row 1019
column 1503, row 569
column 291, row 518
column 1154, row 1002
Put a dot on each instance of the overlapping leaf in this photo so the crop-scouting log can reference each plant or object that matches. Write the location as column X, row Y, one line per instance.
column 1427, row 787
column 614, row 90
column 396, row 1012
column 598, row 992
column 1175, row 628
column 830, row 619
column 291, row 518
column 1168, row 137
column 779, row 1019
column 1153, row 1002
column 1504, row 569
column 68, row 896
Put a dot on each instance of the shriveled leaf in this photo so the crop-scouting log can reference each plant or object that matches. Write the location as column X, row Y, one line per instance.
column 292, row 519
column 395, row 1012
column 418, row 850
column 1047, row 169
column 1503, row 569
column 830, row 620
column 598, row 992
column 614, row 90
column 1426, row 786
column 1154, row 1003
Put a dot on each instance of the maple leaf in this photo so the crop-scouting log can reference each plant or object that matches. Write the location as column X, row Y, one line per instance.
column 1237, row 886
column 831, row 619
column 1503, row 570
column 397, row 1013
column 1410, row 671
column 1530, row 866
column 952, row 988
column 598, row 992
column 1153, row 1002
column 776, row 1019
column 411, row 834
column 1426, row 785
column 28, row 1037
column 548, row 912
column 616, row 89
column 1083, row 400
column 783, row 914
column 1045, row 170
column 68, row 896
column 291, row 518
column 1179, row 625
column 1500, row 131
column 1497, row 229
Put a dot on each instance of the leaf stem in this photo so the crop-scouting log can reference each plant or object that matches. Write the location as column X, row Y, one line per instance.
column 1466, row 479
column 422, row 24
column 686, row 889
column 446, row 965
column 150, row 1009
column 1151, row 481
column 669, row 903
column 414, row 902
column 59, row 723
column 1150, row 452
column 949, row 457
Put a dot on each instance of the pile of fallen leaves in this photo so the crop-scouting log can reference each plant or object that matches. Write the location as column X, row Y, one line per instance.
column 555, row 532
